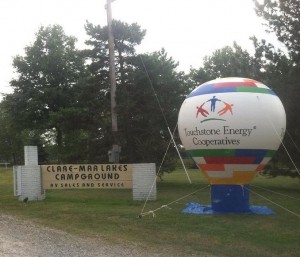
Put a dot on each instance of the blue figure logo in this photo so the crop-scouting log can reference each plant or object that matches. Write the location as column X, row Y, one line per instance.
column 213, row 103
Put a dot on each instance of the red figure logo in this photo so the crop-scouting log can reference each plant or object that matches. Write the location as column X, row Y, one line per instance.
column 202, row 111
column 228, row 107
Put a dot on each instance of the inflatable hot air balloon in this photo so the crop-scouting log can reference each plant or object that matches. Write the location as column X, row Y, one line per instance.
column 231, row 127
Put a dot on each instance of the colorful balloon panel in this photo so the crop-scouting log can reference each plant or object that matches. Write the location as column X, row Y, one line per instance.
column 231, row 127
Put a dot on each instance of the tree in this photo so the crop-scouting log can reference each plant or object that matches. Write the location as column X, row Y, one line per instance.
column 142, row 127
column 44, row 96
column 126, row 37
column 153, row 98
column 282, row 18
column 225, row 62
column 10, row 139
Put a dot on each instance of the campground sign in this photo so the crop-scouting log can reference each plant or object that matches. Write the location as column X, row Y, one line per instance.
column 32, row 180
column 106, row 176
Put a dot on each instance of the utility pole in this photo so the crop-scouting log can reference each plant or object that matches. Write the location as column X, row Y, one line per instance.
column 114, row 153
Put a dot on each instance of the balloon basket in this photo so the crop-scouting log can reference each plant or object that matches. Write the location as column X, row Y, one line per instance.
column 228, row 199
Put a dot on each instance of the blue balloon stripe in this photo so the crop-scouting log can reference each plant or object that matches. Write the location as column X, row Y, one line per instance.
column 210, row 89
column 213, row 89
column 259, row 154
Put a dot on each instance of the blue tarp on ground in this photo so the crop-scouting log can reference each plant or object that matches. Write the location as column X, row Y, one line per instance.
column 199, row 209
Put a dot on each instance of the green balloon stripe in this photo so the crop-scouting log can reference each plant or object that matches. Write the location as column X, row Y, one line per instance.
column 227, row 152
column 254, row 90
column 211, row 152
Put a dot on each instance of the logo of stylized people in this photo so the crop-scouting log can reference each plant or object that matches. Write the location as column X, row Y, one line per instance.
column 214, row 113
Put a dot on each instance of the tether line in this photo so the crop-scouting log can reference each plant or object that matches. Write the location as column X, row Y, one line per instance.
column 167, row 125
column 186, row 172
column 274, row 192
column 272, row 124
column 282, row 207
column 152, row 212
column 293, row 141
column 158, row 172
column 154, row 92
column 164, row 117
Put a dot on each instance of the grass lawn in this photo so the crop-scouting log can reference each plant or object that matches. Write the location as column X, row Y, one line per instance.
column 112, row 214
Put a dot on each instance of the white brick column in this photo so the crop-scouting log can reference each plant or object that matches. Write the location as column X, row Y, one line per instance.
column 28, row 180
column 30, row 155
column 144, row 181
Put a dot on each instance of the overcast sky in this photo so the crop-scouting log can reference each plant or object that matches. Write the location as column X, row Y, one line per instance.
column 187, row 29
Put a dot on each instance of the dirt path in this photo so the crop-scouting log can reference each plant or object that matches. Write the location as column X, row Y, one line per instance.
column 22, row 238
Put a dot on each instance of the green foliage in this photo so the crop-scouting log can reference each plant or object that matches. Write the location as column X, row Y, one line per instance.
column 283, row 72
column 143, row 83
column 10, row 139
column 148, row 105
column 62, row 96
column 272, row 170
column 282, row 17
column 228, row 62
column 46, row 86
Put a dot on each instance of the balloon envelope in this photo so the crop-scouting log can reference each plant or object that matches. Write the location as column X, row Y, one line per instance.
column 231, row 127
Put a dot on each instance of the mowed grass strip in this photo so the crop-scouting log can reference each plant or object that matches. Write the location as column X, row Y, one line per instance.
column 113, row 215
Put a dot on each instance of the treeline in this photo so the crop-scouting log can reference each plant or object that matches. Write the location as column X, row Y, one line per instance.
column 61, row 95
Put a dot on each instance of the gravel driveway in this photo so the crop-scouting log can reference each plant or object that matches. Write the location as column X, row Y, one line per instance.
column 22, row 238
